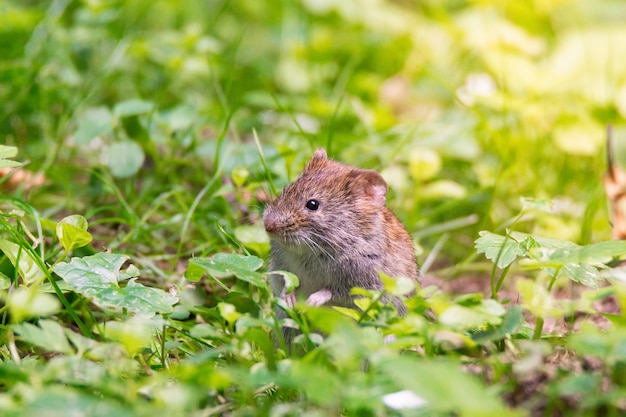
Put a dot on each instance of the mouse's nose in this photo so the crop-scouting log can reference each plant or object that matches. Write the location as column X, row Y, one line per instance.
column 270, row 223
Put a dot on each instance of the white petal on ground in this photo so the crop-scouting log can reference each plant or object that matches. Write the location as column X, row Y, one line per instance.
column 403, row 399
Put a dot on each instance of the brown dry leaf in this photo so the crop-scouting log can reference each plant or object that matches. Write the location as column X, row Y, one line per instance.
column 615, row 188
column 20, row 178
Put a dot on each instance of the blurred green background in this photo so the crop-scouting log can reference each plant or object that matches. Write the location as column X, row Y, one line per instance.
column 142, row 114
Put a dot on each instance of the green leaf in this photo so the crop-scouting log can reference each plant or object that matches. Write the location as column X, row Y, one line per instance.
column 574, row 384
column 94, row 122
column 445, row 387
column 28, row 268
column 135, row 334
column 329, row 320
column 62, row 401
column 133, row 107
column 512, row 320
column 224, row 265
column 290, row 280
column 228, row 311
column 253, row 237
column 397, row 285
column 72, row 232
column 5, row 282
column 239, row 175
column 460, row 317
column 591, row 341
column 47, row 335
column 540, row 241
column 317, row 382
column 602, row 252
column 124, row 159
column 583, row 273
column 537, row 300
column 502, row 250
column 180, row 117
column 8, row 152
column 98, row 277
column 29, row 302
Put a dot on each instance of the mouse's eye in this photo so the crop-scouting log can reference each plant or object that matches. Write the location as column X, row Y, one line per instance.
column 312, row 205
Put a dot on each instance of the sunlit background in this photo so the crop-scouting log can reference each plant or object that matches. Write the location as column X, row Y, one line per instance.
column 466, row 107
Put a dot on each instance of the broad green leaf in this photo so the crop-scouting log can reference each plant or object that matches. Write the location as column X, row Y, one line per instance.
column 329, row 320
column 194, row 271
column 93, row 123
column 397, row 285
column 63, row 401
column 512, row 320
column 223, row 265
column 5, row 282
column 443, row 189
column 537, row 300
column 180, row 117
column 362, row 303
column 48, row 335
column 7, row 152
column 591, row 341
column 578, row 384
column 318, row 383
column 133, row 107
column 124, row 159
column 424, row 163
column 72, row 232
column 228, row 311
column 204, row 330
column 545, row 242
column 582, row 273
column 444, row 387
column 28, row 268
column 135, row 334
column 94, row 272
column 501, row 250
column 253, row 237
column 290, row 280
column 29, row 302
column 540, row 241
column 239, row 175
column 137, row 298
column 602, row 252
column 459, row 317
column 76, row 370
column 98, row 277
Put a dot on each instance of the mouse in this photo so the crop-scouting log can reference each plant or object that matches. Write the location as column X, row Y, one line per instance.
column 332, row 229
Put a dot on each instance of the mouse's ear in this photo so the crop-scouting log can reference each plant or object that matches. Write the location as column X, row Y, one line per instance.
column 374, row 185
column 320, row 153
column 318, row 158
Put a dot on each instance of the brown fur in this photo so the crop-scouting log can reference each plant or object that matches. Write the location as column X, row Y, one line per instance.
column 346, row 241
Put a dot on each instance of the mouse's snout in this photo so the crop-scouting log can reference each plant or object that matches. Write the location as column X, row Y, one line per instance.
column 270, row 224
column 272, row 220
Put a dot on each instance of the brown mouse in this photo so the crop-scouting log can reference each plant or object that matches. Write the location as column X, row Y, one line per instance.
column 331, row 228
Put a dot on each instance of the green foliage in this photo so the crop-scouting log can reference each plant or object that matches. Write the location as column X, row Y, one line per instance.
column 7, row 152
column 168, row 125
column 98, row 278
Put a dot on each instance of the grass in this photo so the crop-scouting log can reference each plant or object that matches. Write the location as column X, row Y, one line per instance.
column 132, row 269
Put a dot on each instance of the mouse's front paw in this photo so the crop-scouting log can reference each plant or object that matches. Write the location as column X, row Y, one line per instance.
column 319, row 298
column 290, row 299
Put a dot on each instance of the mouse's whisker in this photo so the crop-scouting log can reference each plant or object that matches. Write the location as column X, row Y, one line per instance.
column 321, row 248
